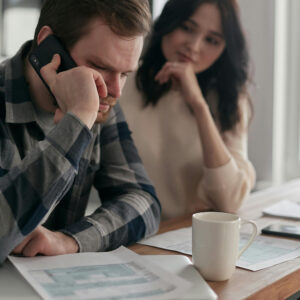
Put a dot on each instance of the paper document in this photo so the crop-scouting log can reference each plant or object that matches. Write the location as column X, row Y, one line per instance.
column 179, row 240
column 284, row 209
column 183, row 267
column 264, row 251
column 119, row 274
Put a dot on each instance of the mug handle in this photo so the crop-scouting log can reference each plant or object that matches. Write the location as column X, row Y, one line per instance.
column 253, row 235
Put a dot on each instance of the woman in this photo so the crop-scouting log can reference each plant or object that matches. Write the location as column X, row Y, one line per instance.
column 189, row 110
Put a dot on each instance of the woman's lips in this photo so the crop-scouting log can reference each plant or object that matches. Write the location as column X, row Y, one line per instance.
column 184, row 58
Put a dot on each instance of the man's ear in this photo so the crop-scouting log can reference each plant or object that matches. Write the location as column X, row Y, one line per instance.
column 44, row 32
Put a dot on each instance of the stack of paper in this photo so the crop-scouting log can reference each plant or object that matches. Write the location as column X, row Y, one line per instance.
column 284, row 209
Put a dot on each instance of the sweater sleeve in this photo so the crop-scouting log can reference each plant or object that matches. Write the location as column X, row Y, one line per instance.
column 227, row 186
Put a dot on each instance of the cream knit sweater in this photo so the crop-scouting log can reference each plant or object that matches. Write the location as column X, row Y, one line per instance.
column 167, row 139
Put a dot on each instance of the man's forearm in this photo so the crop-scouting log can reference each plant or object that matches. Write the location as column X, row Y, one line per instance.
column 122, row 221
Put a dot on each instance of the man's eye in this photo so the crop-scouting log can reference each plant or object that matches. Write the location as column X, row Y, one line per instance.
column 124, row 75
column 96, row 67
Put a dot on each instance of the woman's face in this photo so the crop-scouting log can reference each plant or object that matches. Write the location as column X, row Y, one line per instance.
column 199, row 40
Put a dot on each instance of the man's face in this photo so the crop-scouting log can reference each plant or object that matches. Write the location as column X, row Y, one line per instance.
column 113, row 56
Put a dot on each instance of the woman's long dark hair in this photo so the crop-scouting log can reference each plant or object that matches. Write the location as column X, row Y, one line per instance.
column 227, row 76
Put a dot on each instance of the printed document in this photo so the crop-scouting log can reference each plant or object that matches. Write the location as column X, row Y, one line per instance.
column 267, row 251
column 264, row 251
column 119, row 274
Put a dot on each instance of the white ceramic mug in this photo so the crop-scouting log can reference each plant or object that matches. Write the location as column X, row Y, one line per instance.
column 215, row 243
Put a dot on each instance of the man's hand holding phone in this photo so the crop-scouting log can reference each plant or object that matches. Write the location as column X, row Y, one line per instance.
column 76, row 90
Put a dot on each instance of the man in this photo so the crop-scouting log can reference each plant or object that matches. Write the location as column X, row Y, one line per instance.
column 54, row 149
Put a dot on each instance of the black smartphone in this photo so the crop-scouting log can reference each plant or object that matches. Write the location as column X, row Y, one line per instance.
column 43, row 54
column 283, row 230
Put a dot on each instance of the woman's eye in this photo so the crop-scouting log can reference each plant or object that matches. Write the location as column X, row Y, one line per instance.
column 186, row 28
column 213, row 41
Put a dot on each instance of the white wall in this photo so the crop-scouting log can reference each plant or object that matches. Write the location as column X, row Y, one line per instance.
column 258, row 18
column 157, row 7
column 19, row 24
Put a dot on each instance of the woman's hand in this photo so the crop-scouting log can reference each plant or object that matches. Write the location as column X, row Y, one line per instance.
column 183, row 78
column 182, row 75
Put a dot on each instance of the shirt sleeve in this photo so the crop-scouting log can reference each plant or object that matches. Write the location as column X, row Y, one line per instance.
column 226, row 187
column 29, row 187
column 130, row 209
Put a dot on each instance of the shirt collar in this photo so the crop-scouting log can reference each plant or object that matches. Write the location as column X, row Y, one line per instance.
column 18, row 102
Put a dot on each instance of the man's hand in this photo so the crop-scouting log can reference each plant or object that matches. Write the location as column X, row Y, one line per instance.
column 77, row 90
column 46, row 242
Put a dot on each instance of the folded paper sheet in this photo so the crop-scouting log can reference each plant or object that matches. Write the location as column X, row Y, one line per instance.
column 119, row 274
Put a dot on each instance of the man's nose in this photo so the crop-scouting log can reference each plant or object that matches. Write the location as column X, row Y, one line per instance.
column 114, row 86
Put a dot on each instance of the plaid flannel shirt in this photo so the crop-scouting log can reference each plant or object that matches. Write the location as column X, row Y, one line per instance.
column 39, row 172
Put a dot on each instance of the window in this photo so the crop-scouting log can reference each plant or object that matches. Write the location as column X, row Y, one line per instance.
column 157, row 6
column 17, row 23
column 274, row 40
column 290, row 140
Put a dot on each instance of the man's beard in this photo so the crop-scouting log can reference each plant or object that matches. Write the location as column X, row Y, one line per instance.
column 103, row 116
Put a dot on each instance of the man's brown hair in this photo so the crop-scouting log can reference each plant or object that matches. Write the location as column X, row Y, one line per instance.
column 69, row 19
